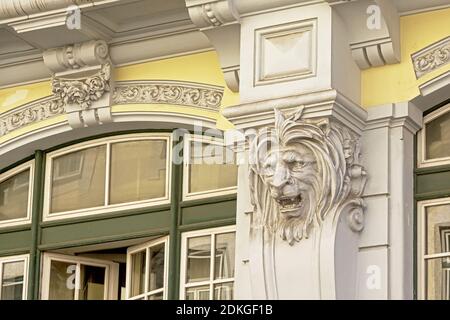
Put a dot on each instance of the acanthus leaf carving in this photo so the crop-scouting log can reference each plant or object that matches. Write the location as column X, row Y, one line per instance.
column 303, row 172
column 432, row 57
column 83, row 92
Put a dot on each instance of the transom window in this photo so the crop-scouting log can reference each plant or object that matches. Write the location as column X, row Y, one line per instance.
column 434, row 138
column 207, row 265
column 108, row 175
column 16, row 195
column 13, row 277
column 209, row 168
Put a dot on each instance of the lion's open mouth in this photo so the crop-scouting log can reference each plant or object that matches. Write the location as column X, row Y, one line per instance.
column 290, row 203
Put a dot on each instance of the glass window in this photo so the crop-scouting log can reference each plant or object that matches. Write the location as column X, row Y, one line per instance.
column 434, row 241
column 138, row 170
column 76, row 278
column 108, row 175
column 13, row 277
column 210, row 168
column 78, row 180
column 147, row 270
column 208, row 264
column 15, row 195
column 434, row 138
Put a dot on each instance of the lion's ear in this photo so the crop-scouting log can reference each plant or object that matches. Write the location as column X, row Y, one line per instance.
column 279, row 118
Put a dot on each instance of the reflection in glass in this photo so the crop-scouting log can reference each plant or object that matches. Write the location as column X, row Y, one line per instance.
column 156, row 276
column 14, row 196
column 12, row 280
column 438, row 229
column 78, row 180
column 62, row 280
column 438, row 137
column 223, row 291
column 138, row 170
column 211, row 167
column 138, row 261
column 199, row 259
column 92, row 283
column 224, row 257
column 197, row 293
column 438, row 279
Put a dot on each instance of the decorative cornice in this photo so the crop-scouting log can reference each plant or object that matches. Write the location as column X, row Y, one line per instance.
column 126, row 92
column 431, row 57
column 33, row 112
column 169, row 92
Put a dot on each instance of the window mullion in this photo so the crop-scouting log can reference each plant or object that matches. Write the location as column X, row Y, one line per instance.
column 77, row 281
column 107, row 173
column 1, row 279
column 211, row 271
column 147, row 269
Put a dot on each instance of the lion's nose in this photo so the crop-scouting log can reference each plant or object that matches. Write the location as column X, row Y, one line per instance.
column 280, row 178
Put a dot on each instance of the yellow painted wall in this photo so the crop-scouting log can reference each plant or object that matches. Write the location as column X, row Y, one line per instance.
column 396, row 83
column 201, row 67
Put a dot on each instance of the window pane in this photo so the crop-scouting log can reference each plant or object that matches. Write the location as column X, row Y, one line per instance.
column 138, row 261
column 156, row 296
column 138, row 171
column 438, row 137
column 199, row 259
column 62, row 280
column 92, row 283
column 78, row 180
column 438, row 229
column 14, row 196
column 224, row 258
column 12, row 280
column 156, row 276
column 223, row 291
column 197, row 293
column 438, row 279
column 211, row 167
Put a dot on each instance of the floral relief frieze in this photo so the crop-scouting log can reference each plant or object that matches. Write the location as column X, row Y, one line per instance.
column 432, row 57
column 179, row 93
column 85, row 91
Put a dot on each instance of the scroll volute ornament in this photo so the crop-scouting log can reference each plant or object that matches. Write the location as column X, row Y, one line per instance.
column 303, row 172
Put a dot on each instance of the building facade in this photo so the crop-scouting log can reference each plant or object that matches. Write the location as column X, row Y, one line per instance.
column 224, row 149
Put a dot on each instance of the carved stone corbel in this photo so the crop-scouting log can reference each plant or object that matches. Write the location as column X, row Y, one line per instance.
column 82, row 78
column 217, row 20
column 303, row 172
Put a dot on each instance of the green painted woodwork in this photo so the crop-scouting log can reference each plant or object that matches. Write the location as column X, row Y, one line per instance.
column 433, row 185
column 113, row 228
column 208, row 212
column 169, row 219
column 18, row 241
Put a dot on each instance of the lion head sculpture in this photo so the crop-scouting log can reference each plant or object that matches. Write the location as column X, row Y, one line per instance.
column 302, row 171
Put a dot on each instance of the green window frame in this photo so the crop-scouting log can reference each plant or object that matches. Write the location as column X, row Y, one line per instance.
column 169, row 219
column 432, row 195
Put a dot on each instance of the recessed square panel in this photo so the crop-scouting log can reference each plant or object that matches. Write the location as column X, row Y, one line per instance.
column 285, row 52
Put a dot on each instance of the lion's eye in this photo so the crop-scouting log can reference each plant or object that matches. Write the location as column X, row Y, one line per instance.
column 297, row 165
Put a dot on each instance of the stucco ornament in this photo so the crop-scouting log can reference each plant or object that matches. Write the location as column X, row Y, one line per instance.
column 303, row 172
column 83, row 92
